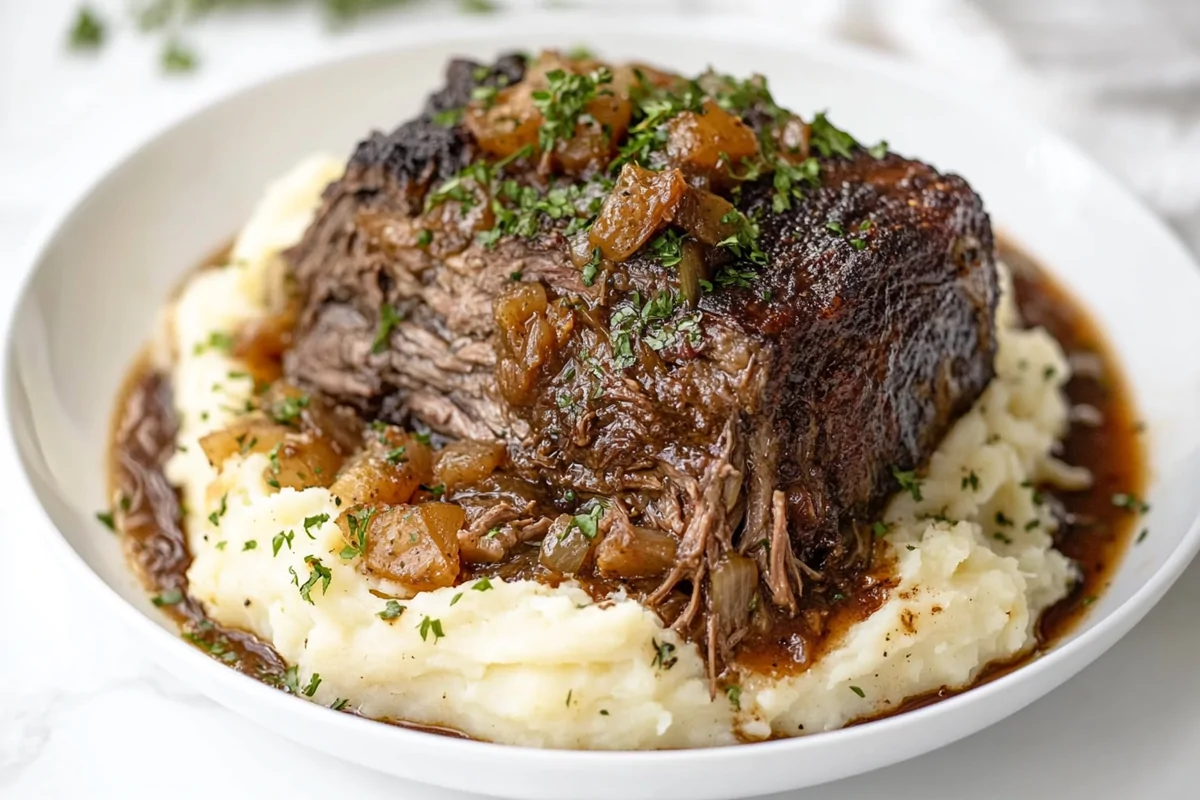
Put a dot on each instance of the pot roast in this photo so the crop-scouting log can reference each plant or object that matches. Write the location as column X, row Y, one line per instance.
column 668, row 333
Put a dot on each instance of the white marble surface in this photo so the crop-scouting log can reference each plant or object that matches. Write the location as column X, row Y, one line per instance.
column 83, row 713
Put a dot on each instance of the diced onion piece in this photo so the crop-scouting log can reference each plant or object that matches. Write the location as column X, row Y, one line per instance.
column 301, row 461
column 641, row 203
column 386, row 472
column 526, row 341
column 703, row 215
column 698, row 143
column 243, row 437
column 632, row 552
column 565, row 548
column 466, row 462
column 597, row 134
column 734, row 582
column 508, row 124
column 414, row 545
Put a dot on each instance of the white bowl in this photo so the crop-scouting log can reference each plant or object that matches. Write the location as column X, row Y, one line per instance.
column 102, row 271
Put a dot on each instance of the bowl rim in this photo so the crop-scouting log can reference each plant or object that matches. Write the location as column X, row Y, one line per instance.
column 474, row 32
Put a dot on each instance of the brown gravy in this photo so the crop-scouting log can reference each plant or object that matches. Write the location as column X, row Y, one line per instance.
column 1096, row 534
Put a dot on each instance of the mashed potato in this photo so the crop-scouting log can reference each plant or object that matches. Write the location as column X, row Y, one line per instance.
column 523, row 663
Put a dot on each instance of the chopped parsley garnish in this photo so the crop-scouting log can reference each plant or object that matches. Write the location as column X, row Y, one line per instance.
column 734, row 693
column 1033, row 524
column 287, row 411
column 880, row 529
column 569, row 693
column 668, row 247
column 220, row 545
column 1141, row 537
column 878, row 150
column 588, row 522
column 437, row 491
column 835, row 228
column 315, row 521
column 317, row 572
column 249, row 544
column 1002, row 520
column 971, row 481
column 88, row 31
column 492, row 533
column 177, row 58
column 1088, row 600
column 395, row 456
column 829, row 140
column 291, row 679
column 170, row 597
column 456, row 598
column 313, row 683
column 1048, row 373
column 1130, row 503
column 429, row 626
column 106, row 519
column 482, row 585
column 217, row 340
column 563, row 102
column 1000, row 537
column 663, row 655
column 789, row 181
column 908, row 482
column 858, row 691
column 391, row 611
column 358, row 522
column 280, row 539
column 215, row 517
column 389, row 318
column 448, row 118
column 339, row 704
column 591, row 268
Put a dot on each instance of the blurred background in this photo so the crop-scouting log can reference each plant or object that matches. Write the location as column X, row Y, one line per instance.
column 81, row 79
column 82, row 82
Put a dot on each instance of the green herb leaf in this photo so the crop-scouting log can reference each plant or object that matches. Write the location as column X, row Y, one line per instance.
column 908, row 482
column 317, row 572
column 358, row 523
column 663, row 655
column 279, row 539
column 176, row 58
column 429, row 626
column 287, row 411
column 734, row 693
column 313, row 683
column 88, row 31
column 315, row 521
column 170, row 597
column 106, row 519
column 389, row 318
column 482, row 585
column 392, row 610
column 858, row 691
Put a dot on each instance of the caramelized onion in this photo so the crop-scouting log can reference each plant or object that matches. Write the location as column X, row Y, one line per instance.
column 632, row 552
column 707, row 144
column 639, row 206
column 565, row 548
column 413, row 545
column 388, row 471
column 705, row 216
column 466, row 462
column 734, row 582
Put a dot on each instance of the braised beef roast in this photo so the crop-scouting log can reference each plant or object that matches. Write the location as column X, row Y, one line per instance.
column 719, row 414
